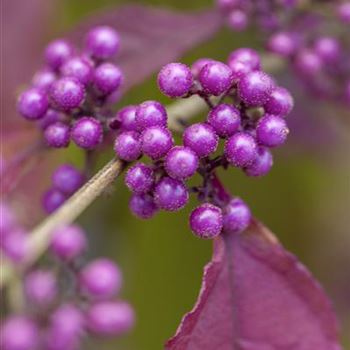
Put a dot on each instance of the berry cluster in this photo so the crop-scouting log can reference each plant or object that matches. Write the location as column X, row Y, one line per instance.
column 66, row 303
column 248, row 115
column 68, row 98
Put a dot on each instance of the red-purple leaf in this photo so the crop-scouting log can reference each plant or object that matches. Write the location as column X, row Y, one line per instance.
column 257, row 296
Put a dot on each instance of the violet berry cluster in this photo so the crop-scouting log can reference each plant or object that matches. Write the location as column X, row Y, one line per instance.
column 68, row 98
column 247, row 112
column 66, row 301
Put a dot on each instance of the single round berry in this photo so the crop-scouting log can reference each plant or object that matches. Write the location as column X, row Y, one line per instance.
column 283, row 44
column 40, row 287
column 271, row 131
column 243, row 61
column 201, row 138
column 128, row 146
column 50, row 117
column 328, row 49
column 150, row 113
column 237, row 20
column 156, row 142
column 308, row 63
column 32, row 104
column 79, row 68
column 240, row 149
column 198, row 65
column 15, row 245
column 236, row 216
column 215, row 78
column 140, row 178
column 255, row 88
column 142, row 205
column 102, row 42
column 67, row 93
column 175, row 80
column 225, row 119
column 8, row 219
column 206, row 221
column 343, row 12
column 110, row 318
column 57, row 135
column 53, row 199
column 57, row 52
column 181, row 162
column 262, row 163
column 171, row 194
column 68, row 242
column 43, row 79
column 280, row 102
column 87, row 133
column 127, row 118
column 107, row 78
column 67, row 179
column 19, row 333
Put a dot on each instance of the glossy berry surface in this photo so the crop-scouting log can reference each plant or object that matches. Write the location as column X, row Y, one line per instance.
column 243, row 61
column 127, row 118
column 57, row 52
column 201, row 138
column 170, row 194
column 206, row 221
column 271, row 131
column 68, row 242
column 240, row 149
column 150, row 113
column 52, row 200
column 280, row 102
column 225, row 119
column 255, row 88
column 127, row 146
column 32, row 104
column 262, row 163
column 142, row 206
column 139, row 178
column 43, row 79
column 50, row 117
column 107, row 78
column 198, row 65
column 79, row 68
column 87, row 133
column 215, row 78
column 57, row 135
column 100, row 279
column 175, row 80
column 102, row 42
column 156, row 142
column 67, row 93
column 67, row 179
column 181, row 163
column 236, row 216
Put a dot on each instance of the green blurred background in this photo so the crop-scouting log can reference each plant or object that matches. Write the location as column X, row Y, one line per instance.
column 304, row 200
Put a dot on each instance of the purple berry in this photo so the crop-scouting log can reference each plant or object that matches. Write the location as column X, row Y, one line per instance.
column 32, row 104
column 128, row 146
column 243, row 61
column 50, row 117
column 139, row 178
column 280, row 102
column 343, row 12
column 156, row 142
column 237, row 20
column 100, row 279
column 262, row 163
column 308, row 63
column 79, row 68
column 225, row 5
column 57, row 135
column 107, row 78
column 216, row 78
column 198, row 65
column 87, row 133
column 15, row 245
column 171, row 194
column 67, row 179
column 43, row 79
column 181, row 162
column 175, row 80
column 237, row 216
column 150, row 113
column 255, row 88
column 201, row 138
column 68, row 242
column 57, row 52
column 7, row 220
column 283, row 44
column 225, row 119
column 67, row 93
column 328, row 49
column 206, row 221
column 127, row 118
column 110, row 318
column 142, row 205
column 53, row 199
column 19, row 333
column 102, row 42
column 240, row 149
column 40, row 287
column 271, row 131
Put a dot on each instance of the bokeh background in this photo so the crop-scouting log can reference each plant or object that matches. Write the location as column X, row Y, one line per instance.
column 305, row 200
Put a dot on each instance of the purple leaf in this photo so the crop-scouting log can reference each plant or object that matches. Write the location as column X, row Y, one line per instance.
column 257, row 296
column 152, row 37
